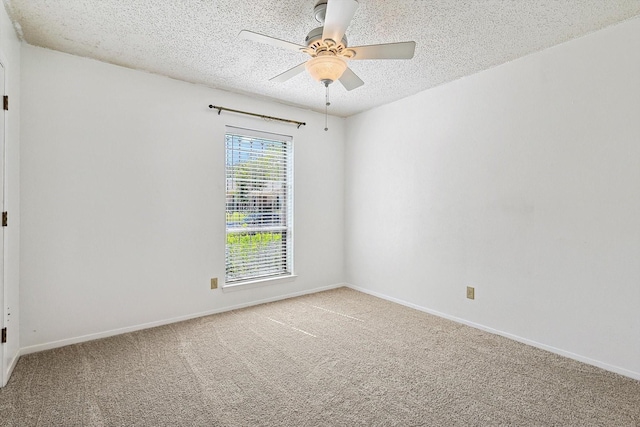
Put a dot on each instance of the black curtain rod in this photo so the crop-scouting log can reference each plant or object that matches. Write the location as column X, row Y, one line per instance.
column 220, row 109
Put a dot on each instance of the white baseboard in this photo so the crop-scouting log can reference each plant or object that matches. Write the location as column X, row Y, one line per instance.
column 14, row 362
column 12, row 366
column 105, row 334
column 570, row 355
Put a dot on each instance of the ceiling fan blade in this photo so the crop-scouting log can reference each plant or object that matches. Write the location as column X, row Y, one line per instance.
column 337, row 19
column 350, row 80
column 288, row 74
column 403, row 50
column 261, row 38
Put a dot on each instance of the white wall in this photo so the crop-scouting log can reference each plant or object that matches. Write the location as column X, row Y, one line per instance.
column 523, row 181
column 10, row 58
column 123, row 198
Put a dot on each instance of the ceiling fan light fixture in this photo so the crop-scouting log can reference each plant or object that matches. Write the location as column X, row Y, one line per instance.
column 326, row 68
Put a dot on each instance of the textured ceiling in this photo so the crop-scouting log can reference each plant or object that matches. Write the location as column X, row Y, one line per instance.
column 196, row 40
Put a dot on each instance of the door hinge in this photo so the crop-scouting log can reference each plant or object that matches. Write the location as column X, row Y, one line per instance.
column 4, row 335
column 5, row 102
column 5, row 218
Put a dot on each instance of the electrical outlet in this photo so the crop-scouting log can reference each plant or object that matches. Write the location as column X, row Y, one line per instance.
column 471, row 292
column 214, row 283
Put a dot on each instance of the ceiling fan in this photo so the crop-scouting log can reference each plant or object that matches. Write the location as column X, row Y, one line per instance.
column 328, row 48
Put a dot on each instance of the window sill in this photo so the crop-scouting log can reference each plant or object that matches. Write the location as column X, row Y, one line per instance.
column 251, row 284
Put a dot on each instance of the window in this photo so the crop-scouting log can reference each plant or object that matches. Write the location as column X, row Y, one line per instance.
column 259, row 175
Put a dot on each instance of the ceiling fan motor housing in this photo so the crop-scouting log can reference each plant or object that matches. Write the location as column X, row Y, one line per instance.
column 316, row 35
column 316, row 46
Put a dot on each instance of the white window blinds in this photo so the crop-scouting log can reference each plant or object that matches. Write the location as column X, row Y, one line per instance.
column 259, row 205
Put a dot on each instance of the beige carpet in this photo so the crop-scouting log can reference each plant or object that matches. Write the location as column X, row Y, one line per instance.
column 336, row 358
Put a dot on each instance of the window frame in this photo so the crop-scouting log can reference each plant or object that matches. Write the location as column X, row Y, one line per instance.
column 286, row 210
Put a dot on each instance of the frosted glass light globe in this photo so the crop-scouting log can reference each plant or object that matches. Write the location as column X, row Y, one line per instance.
column 323, row 68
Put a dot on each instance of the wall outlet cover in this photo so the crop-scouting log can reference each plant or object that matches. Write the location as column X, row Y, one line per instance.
column 471, row 292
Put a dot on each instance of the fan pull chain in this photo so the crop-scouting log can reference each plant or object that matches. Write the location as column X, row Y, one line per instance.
column 326, row 107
